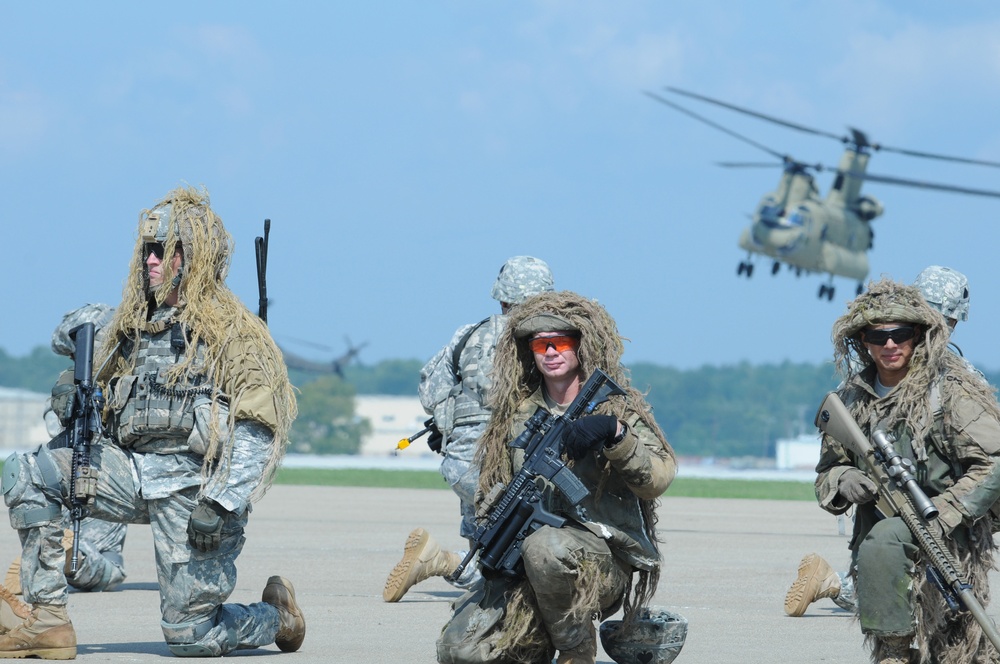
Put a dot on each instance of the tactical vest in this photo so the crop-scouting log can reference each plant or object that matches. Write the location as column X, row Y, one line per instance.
column 144, row 407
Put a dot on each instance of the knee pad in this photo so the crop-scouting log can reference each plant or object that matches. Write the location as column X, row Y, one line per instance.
column 27, row 504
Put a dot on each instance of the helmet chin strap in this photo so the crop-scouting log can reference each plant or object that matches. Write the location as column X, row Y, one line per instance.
column 176, row 281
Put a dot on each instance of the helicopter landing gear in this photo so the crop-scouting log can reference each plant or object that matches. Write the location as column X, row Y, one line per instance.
column 826, row 291
column 745, row 268
column 775, row 267
column 798, row 272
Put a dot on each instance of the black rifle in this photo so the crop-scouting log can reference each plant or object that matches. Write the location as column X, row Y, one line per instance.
column 899, row 494
column 260, row 245
column 514, row 512
column 84, row 425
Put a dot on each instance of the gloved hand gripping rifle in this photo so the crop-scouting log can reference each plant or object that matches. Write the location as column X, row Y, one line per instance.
column 893, row 473
column 84, row 425
column 515, row 511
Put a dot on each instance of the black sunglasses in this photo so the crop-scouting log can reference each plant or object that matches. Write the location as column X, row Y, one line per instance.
column 897, row 334
column 155, row 248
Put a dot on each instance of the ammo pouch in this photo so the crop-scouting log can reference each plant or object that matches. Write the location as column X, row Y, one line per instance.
column 146, row 406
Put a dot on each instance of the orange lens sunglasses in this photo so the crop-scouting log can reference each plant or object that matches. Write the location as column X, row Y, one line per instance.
column 561, row 344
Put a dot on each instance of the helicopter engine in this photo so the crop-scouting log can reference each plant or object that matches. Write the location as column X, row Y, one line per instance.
column 868, row 207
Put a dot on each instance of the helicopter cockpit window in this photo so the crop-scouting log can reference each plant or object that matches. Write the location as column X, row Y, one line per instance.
column 799, row 217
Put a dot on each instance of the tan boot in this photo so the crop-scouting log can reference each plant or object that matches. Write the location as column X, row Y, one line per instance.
column 280, row 594
column 46, row 633
column 816, row 580
column 12, row 581
column 893, row 649
column 585, row 653
column 422, row 559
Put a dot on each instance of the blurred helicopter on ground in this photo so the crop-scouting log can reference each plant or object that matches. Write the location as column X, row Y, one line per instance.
column 794, row 226
column 335, row 366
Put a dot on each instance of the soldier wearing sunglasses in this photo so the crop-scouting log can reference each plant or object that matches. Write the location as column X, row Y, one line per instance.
column 945, row 290
column 900, row 377
column 591, row 566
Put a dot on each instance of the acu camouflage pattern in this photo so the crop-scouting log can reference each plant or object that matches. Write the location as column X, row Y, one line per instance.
column 98, row 314
column 520, row 278
column 946, row 290
column 157, row 481
column 456, row 397
column 656, row 636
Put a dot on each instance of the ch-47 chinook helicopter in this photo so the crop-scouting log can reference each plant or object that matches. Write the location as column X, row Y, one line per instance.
column 794, row 226
column 335, row 366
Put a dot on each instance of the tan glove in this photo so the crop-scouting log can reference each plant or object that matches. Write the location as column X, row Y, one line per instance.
column 856, row 488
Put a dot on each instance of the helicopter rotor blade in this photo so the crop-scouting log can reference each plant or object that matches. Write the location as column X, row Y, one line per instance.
column 747, row 164
column 931, row 155
column 678, row 107
column 762, row 116
column 919, row 184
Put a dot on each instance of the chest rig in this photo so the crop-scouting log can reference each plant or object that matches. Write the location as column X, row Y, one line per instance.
column 144, row 404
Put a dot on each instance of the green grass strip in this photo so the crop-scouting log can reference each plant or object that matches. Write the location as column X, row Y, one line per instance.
column 429, row 479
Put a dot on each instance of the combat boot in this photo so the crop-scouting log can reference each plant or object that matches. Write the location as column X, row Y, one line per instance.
column 47, row 633
column 816, row 580
column 584, row 653
column 422, row 559
column 893, row 649
column 13, row 610
column 280, row 594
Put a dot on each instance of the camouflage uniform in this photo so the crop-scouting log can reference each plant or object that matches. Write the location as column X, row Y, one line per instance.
column 454, row 386
column 455, row 396
column 198, row 409
column 154, row 478
column 946, row 420
column 101, row 565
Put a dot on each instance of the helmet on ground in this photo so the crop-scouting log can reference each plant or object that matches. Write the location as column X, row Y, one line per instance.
column 946, row 290
column 98, row 314
column 522, row 277
column 655, row 636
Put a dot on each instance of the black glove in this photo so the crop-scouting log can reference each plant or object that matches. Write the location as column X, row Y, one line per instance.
column 589, row 433
column 856, row 487
column 205, row 526
column 436, row 438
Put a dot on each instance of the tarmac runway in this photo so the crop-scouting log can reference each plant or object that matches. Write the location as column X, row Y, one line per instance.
column 727, row 566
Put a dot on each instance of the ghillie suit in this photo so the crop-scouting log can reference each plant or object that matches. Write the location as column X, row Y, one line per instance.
column 240, row 359
column 947, row 421
column 515, row 379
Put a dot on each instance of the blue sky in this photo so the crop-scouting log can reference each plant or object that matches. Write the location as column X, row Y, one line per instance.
column 404, row 150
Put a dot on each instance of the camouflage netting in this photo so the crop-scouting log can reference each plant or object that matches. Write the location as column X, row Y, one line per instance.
column 515, row 378
column 942, row 638
column 242, row 361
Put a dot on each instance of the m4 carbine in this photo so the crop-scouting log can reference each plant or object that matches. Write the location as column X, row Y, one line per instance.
column 84, row 425
column 513, row 512
column 900, row 495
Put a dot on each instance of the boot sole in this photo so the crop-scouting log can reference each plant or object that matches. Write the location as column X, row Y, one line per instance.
column 401, row 577
column 42, row 653
column 803, row 590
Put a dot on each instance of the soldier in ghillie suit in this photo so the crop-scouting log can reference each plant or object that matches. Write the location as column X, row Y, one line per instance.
column 198, row 409
column 586, row 570
column 454, row 386
column 945, row 290
column 892, row 349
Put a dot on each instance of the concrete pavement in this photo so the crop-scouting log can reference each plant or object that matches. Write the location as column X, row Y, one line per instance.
column 727, row 566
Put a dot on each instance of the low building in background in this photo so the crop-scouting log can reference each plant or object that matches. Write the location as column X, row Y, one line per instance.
column 801, row 453
column 392, row 418
column 22, row 426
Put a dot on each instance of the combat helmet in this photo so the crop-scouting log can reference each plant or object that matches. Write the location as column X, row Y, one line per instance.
column 946, row 290
column 520, row 278
column 98, row 314
column 655, row 636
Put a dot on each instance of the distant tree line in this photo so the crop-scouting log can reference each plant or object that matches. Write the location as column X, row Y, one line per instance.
column 731, row 411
